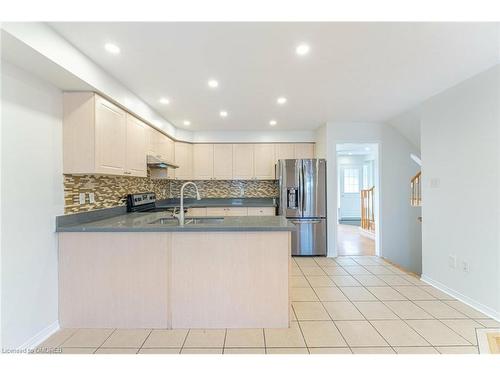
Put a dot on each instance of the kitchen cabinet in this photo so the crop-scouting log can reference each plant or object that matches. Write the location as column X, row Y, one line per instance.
column 135, row 163
column 196, row 211
column 223, row 161
column 304, row 150
column 184, row 159
column 159, row 145
column 261, row 211
column 101, row 138
column 285, row 151
column 227, row 211
column 243, row 161
column 264, row 159
column 110, row 138
column 203, row 161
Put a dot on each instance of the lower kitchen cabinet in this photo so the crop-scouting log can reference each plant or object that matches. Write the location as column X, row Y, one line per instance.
column 227, row 211
column 196, row 211
column 230, row 211
column 261, row 211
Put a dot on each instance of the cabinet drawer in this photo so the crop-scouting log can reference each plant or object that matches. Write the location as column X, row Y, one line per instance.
column 261, row 211
column 196, row 211
column 227, row 211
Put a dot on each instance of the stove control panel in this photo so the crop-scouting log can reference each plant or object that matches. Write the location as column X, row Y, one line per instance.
column 140, row 200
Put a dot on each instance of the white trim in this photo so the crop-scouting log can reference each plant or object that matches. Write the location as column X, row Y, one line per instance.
column 40, row 337
column 463, row 298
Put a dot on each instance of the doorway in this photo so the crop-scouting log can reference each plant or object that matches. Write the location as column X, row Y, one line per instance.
column 357, row 199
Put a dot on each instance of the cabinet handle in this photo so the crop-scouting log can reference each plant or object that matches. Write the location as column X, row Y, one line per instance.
column 126, row 172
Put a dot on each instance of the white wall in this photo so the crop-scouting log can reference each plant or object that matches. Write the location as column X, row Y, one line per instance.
column 398, row 229
column 461, row 210
column 31, row 197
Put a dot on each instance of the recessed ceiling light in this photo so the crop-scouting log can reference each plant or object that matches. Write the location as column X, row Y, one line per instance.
column 281, row 100
column 213, row 83
column 187, row 123
column 349, row 153
column 367, row 148
column 164, row 101
column 223, row 113
column 302, row 49
column 112, row 48
column 273, row 122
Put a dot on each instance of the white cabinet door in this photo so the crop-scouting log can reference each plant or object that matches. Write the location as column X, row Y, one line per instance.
column 203, row 161
column 136, row 147
column 285, row 151
column 261, row 211
column 243, row 162
column 264, row 161
column 197, row 211
column 184, row 159
column 223, row 161
column 110, row 137
column 227, row 211
column 304, row 150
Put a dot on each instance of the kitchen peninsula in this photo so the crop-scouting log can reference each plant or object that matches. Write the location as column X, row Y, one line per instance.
column 142, row 270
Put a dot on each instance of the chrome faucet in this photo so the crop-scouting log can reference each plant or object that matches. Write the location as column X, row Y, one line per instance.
column 181, row 213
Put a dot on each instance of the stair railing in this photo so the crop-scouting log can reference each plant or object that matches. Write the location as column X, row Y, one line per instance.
column 367, row 209
column 416, row 190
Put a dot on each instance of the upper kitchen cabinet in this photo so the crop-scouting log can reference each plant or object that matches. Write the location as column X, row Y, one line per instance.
column 243, row 161
column 160, row 145
column 184, row 159
column 304, row 150
column 203, row 161
column 285, row 151
column 223, row 161
column 97, row 137
column 135, row 162
column 264, row 157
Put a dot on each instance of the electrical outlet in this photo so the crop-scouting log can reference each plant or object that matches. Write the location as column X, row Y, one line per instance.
column 82, row 198
column 452, row 261
column 465, row 266
column 91, row 198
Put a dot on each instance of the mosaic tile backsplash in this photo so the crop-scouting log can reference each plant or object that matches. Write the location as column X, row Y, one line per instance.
column 111, row 191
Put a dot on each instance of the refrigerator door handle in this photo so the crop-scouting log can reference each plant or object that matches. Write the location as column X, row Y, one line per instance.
column 302, row 189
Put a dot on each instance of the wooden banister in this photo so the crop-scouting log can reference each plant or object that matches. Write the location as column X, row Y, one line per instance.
column 416, row 190
column 367, row 209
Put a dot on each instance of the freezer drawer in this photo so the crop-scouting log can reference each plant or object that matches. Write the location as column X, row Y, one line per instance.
column 310, row 237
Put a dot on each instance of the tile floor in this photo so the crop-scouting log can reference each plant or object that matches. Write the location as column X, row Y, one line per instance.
column 357, row 304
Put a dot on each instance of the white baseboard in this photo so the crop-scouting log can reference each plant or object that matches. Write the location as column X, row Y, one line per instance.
column 462, row 298
column 367, row 233
column 40, row 337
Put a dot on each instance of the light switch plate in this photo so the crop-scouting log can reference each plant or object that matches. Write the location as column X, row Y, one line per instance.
column 452, row 261
column 91, row 197
column 82, row 198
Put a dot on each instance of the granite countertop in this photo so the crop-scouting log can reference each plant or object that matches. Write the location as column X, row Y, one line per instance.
column 148, row 222
column 218, row 202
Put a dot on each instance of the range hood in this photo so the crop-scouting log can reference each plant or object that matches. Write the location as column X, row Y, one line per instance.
column 156, row 162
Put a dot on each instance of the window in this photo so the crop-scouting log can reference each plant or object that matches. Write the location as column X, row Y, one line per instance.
column 351, row 180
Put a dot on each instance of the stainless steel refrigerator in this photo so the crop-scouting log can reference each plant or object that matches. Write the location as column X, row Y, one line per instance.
column 302, row 184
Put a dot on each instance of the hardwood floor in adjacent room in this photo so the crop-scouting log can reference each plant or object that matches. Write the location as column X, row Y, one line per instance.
column 351, row 242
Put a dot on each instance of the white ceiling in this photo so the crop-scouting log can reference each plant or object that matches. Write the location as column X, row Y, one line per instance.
column 366, row 72
column 356, row 149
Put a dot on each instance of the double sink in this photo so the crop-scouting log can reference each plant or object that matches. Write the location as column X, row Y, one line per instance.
column 173, row 221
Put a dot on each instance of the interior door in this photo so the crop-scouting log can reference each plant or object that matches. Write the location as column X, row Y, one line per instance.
column 350, row 185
